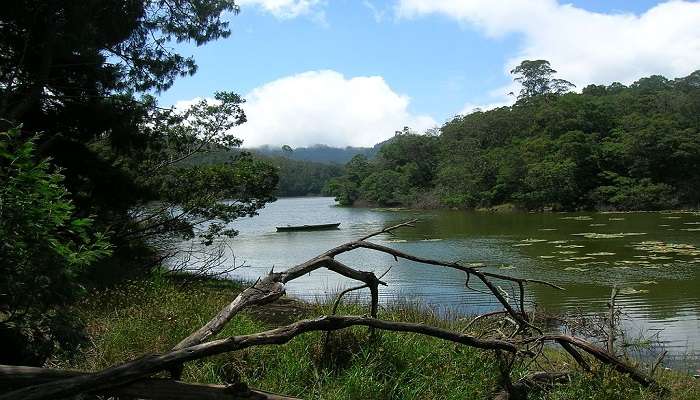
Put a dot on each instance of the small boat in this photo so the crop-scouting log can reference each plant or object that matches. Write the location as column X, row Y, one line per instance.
column 319, row 227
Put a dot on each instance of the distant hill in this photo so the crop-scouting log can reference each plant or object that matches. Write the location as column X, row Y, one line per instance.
column 319, row 153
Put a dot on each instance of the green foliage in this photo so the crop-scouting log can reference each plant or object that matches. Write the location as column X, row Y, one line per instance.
column 45, row 251
column 536, row 79
column 152, row 316
column 609, row 147
column 404, row 167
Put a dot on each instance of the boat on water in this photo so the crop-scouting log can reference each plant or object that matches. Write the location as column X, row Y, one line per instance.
column 318, row 227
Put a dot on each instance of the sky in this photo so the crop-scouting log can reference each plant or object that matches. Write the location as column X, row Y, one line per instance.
column 352, row 72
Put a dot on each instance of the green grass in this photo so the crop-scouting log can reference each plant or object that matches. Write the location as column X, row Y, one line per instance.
column 153, row 315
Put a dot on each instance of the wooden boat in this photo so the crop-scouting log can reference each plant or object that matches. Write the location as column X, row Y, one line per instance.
column 319, row 227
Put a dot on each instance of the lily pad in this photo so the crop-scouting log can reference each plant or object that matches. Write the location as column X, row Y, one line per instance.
column 593, row 235
column 575, row 269
column 630, row 290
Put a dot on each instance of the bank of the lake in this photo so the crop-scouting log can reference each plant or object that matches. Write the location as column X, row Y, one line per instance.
column 152, row 315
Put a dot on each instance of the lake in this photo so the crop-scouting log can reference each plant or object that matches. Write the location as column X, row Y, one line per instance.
column 654, row 258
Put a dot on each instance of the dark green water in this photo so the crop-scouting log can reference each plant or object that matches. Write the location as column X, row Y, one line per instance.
column 653, row 257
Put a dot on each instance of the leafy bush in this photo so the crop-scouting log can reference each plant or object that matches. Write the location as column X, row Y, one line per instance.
column 45, row 250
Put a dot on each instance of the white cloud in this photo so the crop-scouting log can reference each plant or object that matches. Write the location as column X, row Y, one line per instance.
column 325, row 107
column 377, row 14
column 584, row 46
column 287, row 9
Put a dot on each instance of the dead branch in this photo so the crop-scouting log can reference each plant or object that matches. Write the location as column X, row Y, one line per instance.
column 155, row 389
column 148, row 365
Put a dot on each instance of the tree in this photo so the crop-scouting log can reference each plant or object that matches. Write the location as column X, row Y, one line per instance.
column 536, row 79
column 46, row 250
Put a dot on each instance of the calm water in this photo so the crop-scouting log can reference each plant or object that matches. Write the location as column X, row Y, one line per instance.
column 653, row 257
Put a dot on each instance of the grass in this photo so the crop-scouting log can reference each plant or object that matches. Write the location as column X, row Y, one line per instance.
column 153, row 315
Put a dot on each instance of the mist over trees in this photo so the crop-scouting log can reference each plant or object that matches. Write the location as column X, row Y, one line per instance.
column 620, row 147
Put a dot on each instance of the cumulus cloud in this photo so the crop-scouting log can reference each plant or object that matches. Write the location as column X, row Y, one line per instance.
column 287, row 9
column 584, row 46
column 324, row 107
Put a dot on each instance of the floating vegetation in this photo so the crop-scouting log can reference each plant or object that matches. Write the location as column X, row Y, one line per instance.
column 593, row 235
column 594, row 263
column 616, row 219
column 623, row 262
column 668, row 248
column 575, row 269
column 558, row 242
column 547, row 257
column 566, row 252
column 531, row 240
column 569, row 246
column 597, row 224
column 579, row 218
column 602, row 253
column 631, row 290
column 660, row 258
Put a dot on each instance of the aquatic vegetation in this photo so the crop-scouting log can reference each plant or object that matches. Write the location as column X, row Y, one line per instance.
column 558, row 242
column 631, row 290
column 575, row 269
column 601, row 253
column 583, row 258
column 593, row 235
column 531, row 240
column 579, row 218
column 668, row 248
column 570, row 246
column 566, row 260
column 566, row 252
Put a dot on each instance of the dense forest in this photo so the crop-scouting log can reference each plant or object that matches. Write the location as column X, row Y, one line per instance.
column 619, row 147
column 296, row 176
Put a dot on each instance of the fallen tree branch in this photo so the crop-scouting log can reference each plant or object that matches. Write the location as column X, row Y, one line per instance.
column 12, row 376
column 148, row 365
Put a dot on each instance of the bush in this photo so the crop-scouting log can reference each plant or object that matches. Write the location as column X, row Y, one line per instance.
column 45, row 250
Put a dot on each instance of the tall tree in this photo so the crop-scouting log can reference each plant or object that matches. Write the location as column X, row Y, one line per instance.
column 535, row 76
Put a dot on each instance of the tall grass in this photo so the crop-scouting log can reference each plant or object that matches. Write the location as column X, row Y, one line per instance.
column 153, row 315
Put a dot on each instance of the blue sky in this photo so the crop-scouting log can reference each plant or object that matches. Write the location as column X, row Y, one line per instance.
column 350, row 72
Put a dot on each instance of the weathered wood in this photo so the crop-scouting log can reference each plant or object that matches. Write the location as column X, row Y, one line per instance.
column 606, row 358
column 148, row 365
column 12, row 376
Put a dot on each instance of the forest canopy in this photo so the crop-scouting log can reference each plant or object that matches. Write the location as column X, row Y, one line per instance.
column 619, row 147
